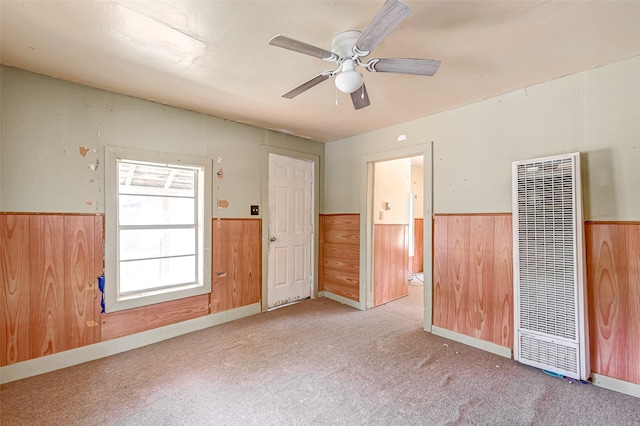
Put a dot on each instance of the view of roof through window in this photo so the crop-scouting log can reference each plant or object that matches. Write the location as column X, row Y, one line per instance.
column 139, row 177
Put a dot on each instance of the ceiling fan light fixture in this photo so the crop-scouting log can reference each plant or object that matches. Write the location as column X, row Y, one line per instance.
column 349, row 81
column 348, row 50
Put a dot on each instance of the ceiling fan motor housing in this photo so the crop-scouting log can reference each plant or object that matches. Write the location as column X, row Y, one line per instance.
column 342, row 44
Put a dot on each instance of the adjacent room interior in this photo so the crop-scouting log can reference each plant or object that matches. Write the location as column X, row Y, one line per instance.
column 156, row 186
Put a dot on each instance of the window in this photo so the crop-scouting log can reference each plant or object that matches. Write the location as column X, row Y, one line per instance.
column 157, row 228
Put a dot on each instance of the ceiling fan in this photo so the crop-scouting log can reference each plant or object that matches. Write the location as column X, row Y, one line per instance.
column 349, row 47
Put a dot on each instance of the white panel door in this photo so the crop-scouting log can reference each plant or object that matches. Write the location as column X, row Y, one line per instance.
column 290, row 230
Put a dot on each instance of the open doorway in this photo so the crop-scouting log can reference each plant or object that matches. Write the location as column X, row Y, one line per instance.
column 392, row 249
column 397, row 231
column 416, row 223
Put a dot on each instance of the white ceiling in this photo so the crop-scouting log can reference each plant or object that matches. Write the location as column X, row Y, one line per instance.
column 216, row 58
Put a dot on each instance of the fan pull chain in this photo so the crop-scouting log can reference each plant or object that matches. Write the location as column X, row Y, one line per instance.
column 362, row 94
column 336, row 95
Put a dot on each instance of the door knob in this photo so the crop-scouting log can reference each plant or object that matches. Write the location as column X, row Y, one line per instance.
column 272, row 239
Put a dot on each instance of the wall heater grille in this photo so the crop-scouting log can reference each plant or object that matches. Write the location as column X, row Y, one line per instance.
column 549, row 265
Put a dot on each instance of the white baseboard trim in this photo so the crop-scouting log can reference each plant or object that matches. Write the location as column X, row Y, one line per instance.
column 48, row 363
column 472, row 341
column 616, row 385
column 340, row 299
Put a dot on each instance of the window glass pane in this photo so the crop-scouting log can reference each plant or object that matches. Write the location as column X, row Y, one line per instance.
column 158, row 227
column 146, row 243
column 139, row 275
column 141, row 210
column 143, row 178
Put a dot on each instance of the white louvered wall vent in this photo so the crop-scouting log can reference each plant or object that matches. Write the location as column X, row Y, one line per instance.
column 548, row 257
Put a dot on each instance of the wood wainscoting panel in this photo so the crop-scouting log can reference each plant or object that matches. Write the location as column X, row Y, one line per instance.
column 236, row 271
column 321, row 253
column 341, row 255
column 46, row 258
column 390, row 263
column 613, row 298
column 416, row 262
column 131, row 321
column 79, row 276
column 458, row 250
column 443, row 297
column 49, row 268
column 98, row 265
column 633, row 355
column 473, row 276
column 14, row 304
column 503, row 281
column 481, row 306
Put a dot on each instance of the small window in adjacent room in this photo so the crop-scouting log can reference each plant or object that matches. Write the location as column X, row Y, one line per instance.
column 157, row 228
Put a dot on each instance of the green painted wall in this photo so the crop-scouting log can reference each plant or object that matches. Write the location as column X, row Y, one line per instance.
column 46, row 121
column 596, row 112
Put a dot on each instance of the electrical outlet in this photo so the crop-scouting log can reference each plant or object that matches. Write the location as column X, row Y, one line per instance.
column 255, row 210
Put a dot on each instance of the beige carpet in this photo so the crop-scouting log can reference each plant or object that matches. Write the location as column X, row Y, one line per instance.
column 313, row 363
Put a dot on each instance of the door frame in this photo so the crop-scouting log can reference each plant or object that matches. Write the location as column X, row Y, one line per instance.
column 366, row 224
column 264, row 216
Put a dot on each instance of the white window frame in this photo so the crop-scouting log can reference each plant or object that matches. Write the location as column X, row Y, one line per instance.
column 114, row 301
